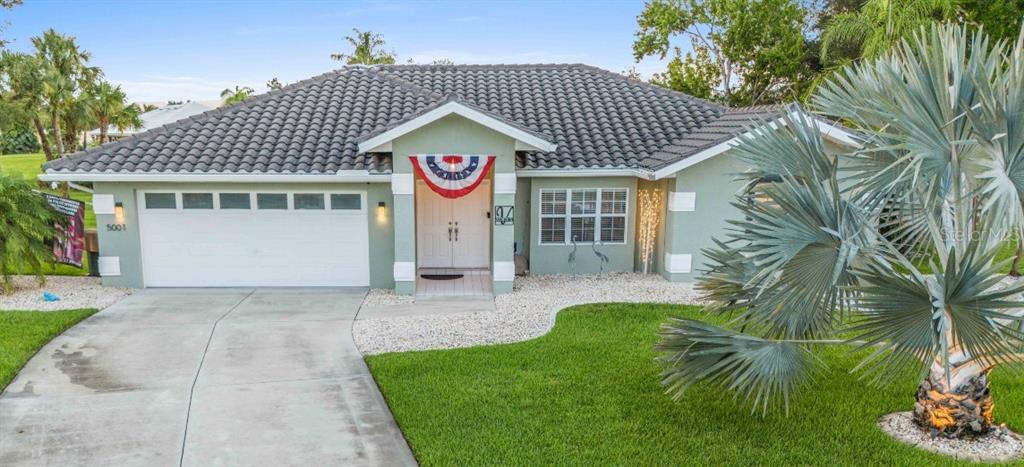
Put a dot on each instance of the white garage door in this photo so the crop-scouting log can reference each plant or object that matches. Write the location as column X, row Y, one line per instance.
column 254, row 239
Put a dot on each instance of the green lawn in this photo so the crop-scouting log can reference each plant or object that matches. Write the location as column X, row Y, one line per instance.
column 588, row 394
column 28, row 166
column 23, row 333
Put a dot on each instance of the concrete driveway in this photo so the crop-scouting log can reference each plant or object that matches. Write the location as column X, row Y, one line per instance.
column 204, row 377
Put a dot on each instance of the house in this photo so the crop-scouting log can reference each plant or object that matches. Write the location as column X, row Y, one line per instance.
column 371, row 176
column 153, row 119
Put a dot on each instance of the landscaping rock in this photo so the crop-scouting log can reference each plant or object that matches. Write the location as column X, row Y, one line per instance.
column 525, row 313
column 385, row 297
column 997, row 445
column 73, row 292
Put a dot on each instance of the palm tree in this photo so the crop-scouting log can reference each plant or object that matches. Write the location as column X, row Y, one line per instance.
column 234, row 96
column 26, row 225
column 367, row 49
column 23, row 80
column 58, row 96
column 941, row 172
column 62, row 53
column 67, row 73
column 127, row 118
column 878, row 26
column 106, row 104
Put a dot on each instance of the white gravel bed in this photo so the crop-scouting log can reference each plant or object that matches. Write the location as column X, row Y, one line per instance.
column 526, row 313
column 74, row 292
column 998, row 446
column 386, row 297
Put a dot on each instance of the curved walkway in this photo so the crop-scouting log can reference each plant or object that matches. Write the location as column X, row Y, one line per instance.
column 204, row 377
column 525, row 313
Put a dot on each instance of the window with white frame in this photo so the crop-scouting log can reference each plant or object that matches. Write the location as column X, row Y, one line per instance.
column 583, row 215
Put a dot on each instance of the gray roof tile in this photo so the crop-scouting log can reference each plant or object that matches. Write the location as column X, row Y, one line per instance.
column 597, row 119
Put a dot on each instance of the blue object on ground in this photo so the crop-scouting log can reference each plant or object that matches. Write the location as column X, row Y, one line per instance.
column 50, row 297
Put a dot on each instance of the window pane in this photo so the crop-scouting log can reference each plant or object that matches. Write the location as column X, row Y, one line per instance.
column 552, row 202
column 309, row 200
column 613, row 229
column 346, row 201
column 613, row 201
column 583, row 229
column 235, row 201
column 552, row 230
column 584, row 202
column 271, row 201
column 160, row 201
column 197, row 200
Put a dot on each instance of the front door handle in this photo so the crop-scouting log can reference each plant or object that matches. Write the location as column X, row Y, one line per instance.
column 449, row 231
column 456, row 231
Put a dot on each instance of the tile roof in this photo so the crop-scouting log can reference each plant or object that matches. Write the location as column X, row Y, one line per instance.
column 734, row 121
column 598, row 119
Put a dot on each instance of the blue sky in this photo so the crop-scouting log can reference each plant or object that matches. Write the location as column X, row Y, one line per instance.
column 160, row 50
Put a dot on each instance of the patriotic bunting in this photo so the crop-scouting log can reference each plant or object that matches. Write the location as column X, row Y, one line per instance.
column 452, row 175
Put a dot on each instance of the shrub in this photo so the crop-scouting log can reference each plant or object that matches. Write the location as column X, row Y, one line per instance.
column 27, row 224
column 18, row 141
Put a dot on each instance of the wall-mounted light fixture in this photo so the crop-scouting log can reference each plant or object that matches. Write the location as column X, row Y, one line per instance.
column 119, row 212
column 382, row 213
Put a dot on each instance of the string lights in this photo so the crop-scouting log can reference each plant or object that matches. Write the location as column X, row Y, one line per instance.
column 649, row 208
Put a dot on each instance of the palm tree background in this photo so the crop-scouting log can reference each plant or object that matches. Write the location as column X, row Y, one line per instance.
column 60, row 93
column 234, row 96
column 367, row 49
column 937, row 181
column 107, row 106
column 23, row 79
column 878, row 26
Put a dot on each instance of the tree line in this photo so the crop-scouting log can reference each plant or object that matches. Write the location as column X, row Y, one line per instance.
column 56, row 93
column 751, row 52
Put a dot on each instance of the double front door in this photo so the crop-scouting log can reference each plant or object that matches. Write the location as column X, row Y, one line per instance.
column 453, row 233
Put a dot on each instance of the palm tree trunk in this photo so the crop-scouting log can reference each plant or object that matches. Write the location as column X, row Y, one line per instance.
column 42, row 138
column 103, row 130
column 963, row 410
column 57, row 136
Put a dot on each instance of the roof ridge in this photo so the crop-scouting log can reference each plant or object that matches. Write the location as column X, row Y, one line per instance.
column 479, row 65
column 401, row 82
column 660, row 89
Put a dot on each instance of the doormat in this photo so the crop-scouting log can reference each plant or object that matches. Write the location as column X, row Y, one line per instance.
column 441, row 277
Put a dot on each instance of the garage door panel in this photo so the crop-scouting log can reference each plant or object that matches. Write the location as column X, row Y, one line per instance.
column 222, row 248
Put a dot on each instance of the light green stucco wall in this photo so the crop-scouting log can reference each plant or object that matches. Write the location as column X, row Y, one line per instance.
column 715, row 186
column 126, row 244
column 452, row 135
column 553, row 259
column 522, row 217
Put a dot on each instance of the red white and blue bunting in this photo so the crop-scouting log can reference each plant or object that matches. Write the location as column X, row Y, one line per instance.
column 452, row 175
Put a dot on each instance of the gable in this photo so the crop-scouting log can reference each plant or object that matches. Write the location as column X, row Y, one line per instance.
column 454, row 134
column 525, row 139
